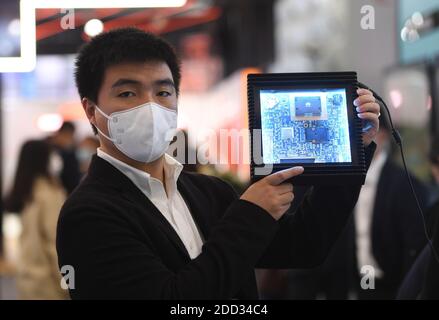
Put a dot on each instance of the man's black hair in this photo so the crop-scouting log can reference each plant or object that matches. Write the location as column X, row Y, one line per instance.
column 120, row 46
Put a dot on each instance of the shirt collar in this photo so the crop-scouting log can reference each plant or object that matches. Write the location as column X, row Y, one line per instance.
column 142, row 179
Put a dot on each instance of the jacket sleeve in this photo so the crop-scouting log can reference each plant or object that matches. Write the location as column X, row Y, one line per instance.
column 111, row 262
column 305, row 237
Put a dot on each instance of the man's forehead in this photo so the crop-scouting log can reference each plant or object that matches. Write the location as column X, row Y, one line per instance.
column 146, row 72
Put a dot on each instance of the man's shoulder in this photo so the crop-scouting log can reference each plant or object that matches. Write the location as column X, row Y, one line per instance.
column 92, row 188
column 92, row 197
column 200, row 177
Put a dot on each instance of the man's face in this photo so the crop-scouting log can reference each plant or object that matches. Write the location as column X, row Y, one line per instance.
column 129, row 85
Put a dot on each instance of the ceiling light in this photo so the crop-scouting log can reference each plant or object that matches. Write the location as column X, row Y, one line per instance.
column 49, row 122
column 93, row 27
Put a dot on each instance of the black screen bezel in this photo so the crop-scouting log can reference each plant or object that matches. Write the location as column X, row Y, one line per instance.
column 351, row 112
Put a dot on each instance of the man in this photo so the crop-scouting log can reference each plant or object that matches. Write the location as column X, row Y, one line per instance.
column 139, row 227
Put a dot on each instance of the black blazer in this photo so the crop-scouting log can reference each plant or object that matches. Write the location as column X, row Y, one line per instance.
column 411, row 287
column 121, row 246
column 430, row 289
column 397, row 229
column 423, row 279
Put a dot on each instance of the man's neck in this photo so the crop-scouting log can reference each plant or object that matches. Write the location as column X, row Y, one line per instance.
column 154, row 168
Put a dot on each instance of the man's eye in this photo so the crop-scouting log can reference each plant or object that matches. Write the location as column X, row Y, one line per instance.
column 126, row 94
column 164, row 94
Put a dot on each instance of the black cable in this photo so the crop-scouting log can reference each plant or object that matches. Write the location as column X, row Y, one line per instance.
column 398, row 140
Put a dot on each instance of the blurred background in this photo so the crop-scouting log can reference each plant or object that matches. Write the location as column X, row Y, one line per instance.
column 392, row 44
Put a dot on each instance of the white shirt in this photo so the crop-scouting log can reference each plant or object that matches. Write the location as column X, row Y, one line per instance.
column 364, row 215
column 171, row 205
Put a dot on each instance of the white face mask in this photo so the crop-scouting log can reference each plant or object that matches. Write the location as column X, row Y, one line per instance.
column 142, row 133
column 55, row 165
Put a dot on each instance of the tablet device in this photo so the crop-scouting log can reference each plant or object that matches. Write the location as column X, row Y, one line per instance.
column 309, row 120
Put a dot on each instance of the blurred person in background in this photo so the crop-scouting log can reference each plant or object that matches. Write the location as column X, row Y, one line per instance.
column 422, row 281
column 389, row 233
column 430, row 288
column 86, row 149
column 64, row 143
column 37, row 196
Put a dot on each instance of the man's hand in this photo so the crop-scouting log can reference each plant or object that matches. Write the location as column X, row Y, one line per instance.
column 272, row 194
column 369, row 111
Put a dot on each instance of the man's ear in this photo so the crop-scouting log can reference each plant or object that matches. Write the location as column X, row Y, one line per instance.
column 89, row 108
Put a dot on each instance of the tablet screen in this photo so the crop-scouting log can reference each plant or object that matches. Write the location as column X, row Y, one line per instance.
column 305, row 126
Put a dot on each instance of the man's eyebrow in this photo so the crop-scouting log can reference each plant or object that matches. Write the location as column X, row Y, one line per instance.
column 124, row 81
column 165, row 82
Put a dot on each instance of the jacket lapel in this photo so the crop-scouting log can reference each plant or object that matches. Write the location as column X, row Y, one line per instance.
column 110, row 176
column 197, row 204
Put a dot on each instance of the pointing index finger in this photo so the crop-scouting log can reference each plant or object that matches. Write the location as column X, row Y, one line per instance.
column 280, row 176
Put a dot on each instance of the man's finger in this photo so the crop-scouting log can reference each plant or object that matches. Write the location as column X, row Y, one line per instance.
column 284, row 208
column 285, row 187
column 286, row 198
column 364, row 99
column 368, row 116
column 362, row 92
column 369, row 107
column 280, row 176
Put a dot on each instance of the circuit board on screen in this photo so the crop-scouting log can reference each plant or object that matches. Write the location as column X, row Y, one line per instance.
column 306, row 126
